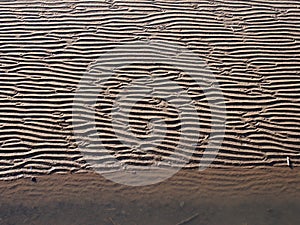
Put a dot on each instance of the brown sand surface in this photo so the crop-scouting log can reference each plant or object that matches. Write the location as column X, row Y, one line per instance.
column 216, row 196
column 251, row 47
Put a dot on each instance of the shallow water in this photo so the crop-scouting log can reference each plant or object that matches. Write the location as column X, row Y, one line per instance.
column 250, row 211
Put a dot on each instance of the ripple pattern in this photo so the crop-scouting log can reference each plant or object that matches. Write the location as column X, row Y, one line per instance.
column 252, row 48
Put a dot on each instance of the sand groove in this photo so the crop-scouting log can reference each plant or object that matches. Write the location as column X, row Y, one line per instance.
column 252, row 48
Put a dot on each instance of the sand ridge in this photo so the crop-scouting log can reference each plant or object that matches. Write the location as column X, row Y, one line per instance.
column 252, row 48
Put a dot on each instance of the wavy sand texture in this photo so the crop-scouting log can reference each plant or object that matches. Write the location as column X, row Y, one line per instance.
column 252, row 47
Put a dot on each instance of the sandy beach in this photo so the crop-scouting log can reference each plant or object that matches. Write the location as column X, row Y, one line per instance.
column 248, row 51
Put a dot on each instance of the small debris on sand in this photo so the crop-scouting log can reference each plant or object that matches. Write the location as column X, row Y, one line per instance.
column 112, row 221
column 188, row 219
column 288, row 161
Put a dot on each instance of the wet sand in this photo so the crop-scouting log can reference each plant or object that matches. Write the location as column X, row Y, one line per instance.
column 245, row 196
